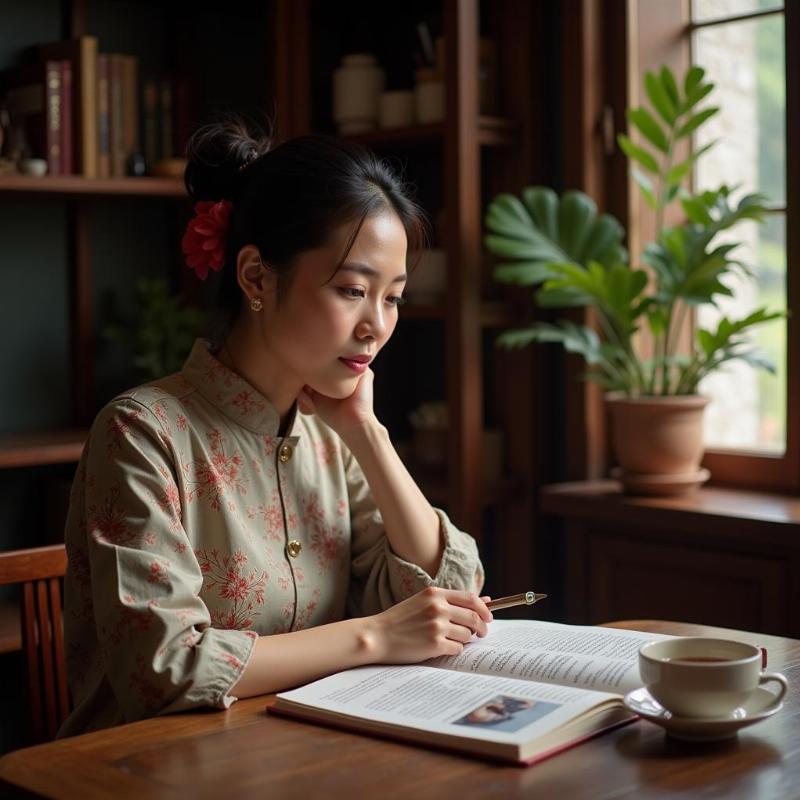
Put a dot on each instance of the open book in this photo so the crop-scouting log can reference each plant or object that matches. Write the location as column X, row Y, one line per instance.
column 524, row 692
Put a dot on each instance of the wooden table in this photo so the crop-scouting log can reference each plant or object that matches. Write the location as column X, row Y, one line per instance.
column 245, row 753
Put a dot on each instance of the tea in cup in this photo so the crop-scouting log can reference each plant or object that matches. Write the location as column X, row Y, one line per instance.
column 704, row 678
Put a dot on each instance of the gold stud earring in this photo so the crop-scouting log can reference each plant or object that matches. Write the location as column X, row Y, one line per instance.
column 256, row 304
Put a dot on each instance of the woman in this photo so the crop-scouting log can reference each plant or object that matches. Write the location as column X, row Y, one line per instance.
column 220, row 544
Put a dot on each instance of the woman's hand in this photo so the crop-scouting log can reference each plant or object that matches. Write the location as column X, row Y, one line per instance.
column 434, row 622
column 347, row 414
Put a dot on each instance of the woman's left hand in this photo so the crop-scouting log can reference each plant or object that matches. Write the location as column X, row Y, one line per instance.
column 345, row 415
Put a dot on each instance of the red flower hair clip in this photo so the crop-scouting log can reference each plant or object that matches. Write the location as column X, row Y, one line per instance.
column 203, row 244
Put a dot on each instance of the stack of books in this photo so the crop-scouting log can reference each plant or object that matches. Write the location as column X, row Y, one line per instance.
column 86, row 113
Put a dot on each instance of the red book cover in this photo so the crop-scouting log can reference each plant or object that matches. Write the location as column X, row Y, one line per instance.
column 67, row 106
column 82, row 55
column 53, row 116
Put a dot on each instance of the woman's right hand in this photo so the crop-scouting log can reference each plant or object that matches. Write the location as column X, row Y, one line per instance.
column 433, row 622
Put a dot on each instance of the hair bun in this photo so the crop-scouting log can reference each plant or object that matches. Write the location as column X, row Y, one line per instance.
column 217, row 153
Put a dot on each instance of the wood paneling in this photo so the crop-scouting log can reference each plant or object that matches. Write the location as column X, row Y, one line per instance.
column 464, row 237
column 716, row 557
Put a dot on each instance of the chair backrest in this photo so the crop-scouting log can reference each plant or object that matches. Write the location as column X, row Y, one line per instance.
column 40, row 571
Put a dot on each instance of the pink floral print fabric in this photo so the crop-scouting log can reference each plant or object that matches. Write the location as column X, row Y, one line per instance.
column 182, row 509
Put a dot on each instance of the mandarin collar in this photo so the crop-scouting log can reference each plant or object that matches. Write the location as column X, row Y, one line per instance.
column 232, row 394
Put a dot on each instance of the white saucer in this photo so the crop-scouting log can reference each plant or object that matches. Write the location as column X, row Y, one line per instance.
column 760, row 705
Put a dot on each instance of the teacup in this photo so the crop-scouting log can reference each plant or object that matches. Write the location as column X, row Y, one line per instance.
column 704, row 678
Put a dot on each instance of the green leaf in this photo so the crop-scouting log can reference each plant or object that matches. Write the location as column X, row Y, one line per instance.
column 693, row 77
column 638, row 153
column 695, row 121
column 657, row 94
column 696, row 211
column 670, row 87
column 680, row 171
column 525, row 273
column 532, row 248
column 575, row 216
column 542, row 205
column 602, row 242
column 706, row 341
column 516, row 338
column 696, row 95
column 542, row 228
column 657, row 321
column 642, row 119
column 645, row 186
column 564, row 297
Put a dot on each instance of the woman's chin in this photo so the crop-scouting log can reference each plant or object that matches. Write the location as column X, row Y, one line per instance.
column 337, row 390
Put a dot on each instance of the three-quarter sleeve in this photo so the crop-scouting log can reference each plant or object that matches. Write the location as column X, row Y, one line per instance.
column 160, row 652
column 379, row 577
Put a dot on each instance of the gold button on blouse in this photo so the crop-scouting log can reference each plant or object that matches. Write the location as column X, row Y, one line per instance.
column 285, row 452
column 294, row 548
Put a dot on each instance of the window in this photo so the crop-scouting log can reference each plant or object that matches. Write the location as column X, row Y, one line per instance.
column 740, row 44
column 753, row 426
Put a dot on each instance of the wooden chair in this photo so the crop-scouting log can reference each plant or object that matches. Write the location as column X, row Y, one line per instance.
column 40, row 571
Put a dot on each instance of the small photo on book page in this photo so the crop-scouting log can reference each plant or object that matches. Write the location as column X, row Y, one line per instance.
column 505, row 713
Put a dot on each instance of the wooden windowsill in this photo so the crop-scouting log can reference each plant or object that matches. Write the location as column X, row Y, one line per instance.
column 604, row 501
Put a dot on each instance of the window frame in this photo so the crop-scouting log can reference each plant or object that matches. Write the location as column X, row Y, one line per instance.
column 665, row 38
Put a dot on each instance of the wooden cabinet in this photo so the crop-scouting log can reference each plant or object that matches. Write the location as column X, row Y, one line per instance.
column 443, row 351
column 720, row 557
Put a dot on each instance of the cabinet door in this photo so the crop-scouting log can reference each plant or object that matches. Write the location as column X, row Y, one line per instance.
column 632, row 578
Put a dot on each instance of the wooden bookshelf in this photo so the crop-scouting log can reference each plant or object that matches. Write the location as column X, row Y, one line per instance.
column 434, row 486
column 492, row 314
column 492, row 132
column 78, row 186
column 463, row 160
column 46, row 447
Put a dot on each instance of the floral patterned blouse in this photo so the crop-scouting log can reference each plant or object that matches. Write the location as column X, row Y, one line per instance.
column 194, row 528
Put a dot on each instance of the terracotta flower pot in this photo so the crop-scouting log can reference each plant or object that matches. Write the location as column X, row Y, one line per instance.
column 658, row 442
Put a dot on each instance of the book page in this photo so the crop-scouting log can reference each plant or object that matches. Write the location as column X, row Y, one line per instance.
column 601, row 659
column 472, row 706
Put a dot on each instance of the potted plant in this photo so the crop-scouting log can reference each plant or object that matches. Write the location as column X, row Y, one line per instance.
column 576, row 257
column 161, row 332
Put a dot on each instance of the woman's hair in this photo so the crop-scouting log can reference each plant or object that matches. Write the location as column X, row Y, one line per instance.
column 291, row 197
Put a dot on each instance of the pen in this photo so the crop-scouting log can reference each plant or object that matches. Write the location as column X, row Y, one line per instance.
column 524, row 599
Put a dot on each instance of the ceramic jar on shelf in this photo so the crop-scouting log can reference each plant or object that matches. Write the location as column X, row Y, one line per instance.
column 357, row 86
column 428, row 96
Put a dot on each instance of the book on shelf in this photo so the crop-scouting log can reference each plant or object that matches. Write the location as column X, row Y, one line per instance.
column 130, row 94
column 524, row 692
column 103, row 116
column 168, row 116
column 67, row 120
column 34, row 98
column 150, row 117
column 87, row 112
column 82, row 108
column 116, row 116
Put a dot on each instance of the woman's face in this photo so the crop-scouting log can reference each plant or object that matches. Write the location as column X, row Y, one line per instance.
column 325, row 319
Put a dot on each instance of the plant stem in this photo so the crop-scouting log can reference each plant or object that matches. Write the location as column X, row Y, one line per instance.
column 661, row 205
column 623, row 344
